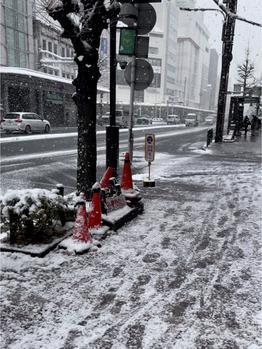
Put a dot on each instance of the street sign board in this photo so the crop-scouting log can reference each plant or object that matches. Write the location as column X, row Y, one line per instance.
column 144, row 74
column 149, row 147
column 127, row 41
column 142, row 45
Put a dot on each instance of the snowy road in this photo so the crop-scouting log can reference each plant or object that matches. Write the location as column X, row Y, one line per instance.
column 44, row 160
column 184, row 275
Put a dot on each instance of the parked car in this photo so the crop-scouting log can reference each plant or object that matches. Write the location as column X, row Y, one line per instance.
column 24, row 122
column 173, row 120
column 143, row 121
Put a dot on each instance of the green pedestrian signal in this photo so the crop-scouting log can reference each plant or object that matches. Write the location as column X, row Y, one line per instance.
column 127, row 41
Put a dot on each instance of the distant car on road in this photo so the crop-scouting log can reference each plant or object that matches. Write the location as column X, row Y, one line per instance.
column 158, row 121
column 210, row 120
column 191, row 119
column 25, row 122
column 121, row 118
column 143, row 121
column 173, row 120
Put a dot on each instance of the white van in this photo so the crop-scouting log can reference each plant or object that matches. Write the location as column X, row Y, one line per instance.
column 191, row 119
column 121, row 118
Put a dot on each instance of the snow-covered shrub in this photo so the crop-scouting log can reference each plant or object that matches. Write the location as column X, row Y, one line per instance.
column 32, row 213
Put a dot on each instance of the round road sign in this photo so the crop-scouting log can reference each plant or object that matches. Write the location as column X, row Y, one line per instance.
column 146, row 19
column 144, row 74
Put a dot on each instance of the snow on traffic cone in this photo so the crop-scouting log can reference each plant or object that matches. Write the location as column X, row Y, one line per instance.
column 95, row 217
column 81, row 231
column 127, row 182
column 104, row 183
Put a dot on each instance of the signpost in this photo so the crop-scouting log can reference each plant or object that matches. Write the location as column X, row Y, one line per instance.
column 127, row 41
column 149, row 156
column 139, row 74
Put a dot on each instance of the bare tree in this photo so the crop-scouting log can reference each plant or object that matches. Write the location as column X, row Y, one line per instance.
column 83, row 22
column 245, row 73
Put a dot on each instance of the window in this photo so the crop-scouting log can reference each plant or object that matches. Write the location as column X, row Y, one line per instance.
column 28, row 116
column 156, row 80
column 155, row 62
column 10, row 38
column 120, row 78
column 63, row 52
column 154, row 50
column 49, row 46
column 9, row 3
column 21, row 22
column 55, row 49
column 21, row 6
column 23, row 60
column 67, row 52
column 21, row 41
column 10, row 17
column 44, row 44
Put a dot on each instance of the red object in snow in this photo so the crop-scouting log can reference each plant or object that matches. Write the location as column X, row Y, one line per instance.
column 127, row 182
column 95, row 218
column 104, row 183
column 81, row 231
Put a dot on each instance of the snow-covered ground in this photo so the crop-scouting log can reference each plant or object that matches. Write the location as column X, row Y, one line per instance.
column 184, row 275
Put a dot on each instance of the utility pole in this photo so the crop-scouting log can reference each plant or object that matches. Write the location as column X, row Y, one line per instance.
column 112, row 131
column 227, row 46
column 230, row 16
column 131, row 108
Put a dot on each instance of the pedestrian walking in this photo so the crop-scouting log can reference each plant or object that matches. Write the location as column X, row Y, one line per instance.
column 246, row 123
column 253, row 125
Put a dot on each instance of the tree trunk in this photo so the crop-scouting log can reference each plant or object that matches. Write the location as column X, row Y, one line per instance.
column 86, row 104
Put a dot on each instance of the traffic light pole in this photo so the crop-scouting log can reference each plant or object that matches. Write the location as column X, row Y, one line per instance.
column 112, row 131
column 131, row 108
column 227, row 39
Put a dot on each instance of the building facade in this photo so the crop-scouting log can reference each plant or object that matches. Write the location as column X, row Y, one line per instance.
column 192, row 58
column 213, row 77
column 16, row 34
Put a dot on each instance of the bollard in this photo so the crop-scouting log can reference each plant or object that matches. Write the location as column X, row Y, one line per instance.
column 209, row 136
column 61, row 189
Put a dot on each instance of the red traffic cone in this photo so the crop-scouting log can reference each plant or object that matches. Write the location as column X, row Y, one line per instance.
column 104, row 183
column 127, row 182
column 81, row 232
column 95, row 218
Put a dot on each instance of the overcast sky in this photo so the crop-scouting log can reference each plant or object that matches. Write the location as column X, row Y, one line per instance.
column 245, row 34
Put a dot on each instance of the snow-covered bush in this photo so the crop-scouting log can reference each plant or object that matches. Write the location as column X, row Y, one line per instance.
column 32, row 213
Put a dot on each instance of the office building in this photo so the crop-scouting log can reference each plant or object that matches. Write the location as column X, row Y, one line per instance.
column 16, row 34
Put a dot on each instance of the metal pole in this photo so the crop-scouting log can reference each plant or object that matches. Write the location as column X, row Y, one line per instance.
column 131, row 108
column 112, row 131
column 227, row 38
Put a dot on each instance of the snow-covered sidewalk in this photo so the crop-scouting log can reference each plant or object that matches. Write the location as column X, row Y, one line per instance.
column 184, row 275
